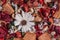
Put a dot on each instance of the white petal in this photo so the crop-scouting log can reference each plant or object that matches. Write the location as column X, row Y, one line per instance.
column 25, row 28
column 19, row 27
column 29, row 17
column 11, row 31
column 31, row 23
column 23, row 14
column 28, row 25
column 33, row 29
column 16, row 23
column 18, row 17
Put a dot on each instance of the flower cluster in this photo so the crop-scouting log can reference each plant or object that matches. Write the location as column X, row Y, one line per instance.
column 29, row 20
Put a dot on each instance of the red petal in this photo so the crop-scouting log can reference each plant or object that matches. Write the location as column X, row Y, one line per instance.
column 1, row 38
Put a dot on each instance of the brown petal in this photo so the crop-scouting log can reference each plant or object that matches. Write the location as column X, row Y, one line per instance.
column 37, row 19
column 7, row 7
column 35, row 14
column 45, row 36
column 57, row 14
column 29, row 36
column 17, row 39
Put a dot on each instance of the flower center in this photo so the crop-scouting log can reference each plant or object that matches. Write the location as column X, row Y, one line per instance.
column 23, row 22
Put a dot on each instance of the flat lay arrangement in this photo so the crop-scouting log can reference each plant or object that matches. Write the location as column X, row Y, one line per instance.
column 29, row 19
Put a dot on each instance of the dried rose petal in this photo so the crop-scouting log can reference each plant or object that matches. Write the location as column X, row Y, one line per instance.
column 4, row 1
column 41, row 1
column 15, row 1
column 35, row 4
column 3, row 32
column 1, row 38
column 38, row 31
column 25, row 7
column 18, row 34
column 5, row 17
column 57, row 29
column 44, row 12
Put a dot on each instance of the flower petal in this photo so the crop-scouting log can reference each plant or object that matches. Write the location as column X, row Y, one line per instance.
column 19, row 27
column 29, row 17
column 25, row 28
column 31, row 23
column 18, row 17
column 23, row 14
column 16, row 23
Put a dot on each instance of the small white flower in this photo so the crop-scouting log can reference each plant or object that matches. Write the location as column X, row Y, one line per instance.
column 24, row 21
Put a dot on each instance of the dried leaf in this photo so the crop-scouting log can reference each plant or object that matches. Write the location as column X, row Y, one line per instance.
column 57, row 14
column 29, row 36
column 45, row 36
column 7, row 7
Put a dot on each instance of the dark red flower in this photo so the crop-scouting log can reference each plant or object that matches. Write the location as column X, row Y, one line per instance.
column 3, row 32
column 57, row 29
column 44, row 12
column 51, row 28
column 5, row 17
column 38, row 31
